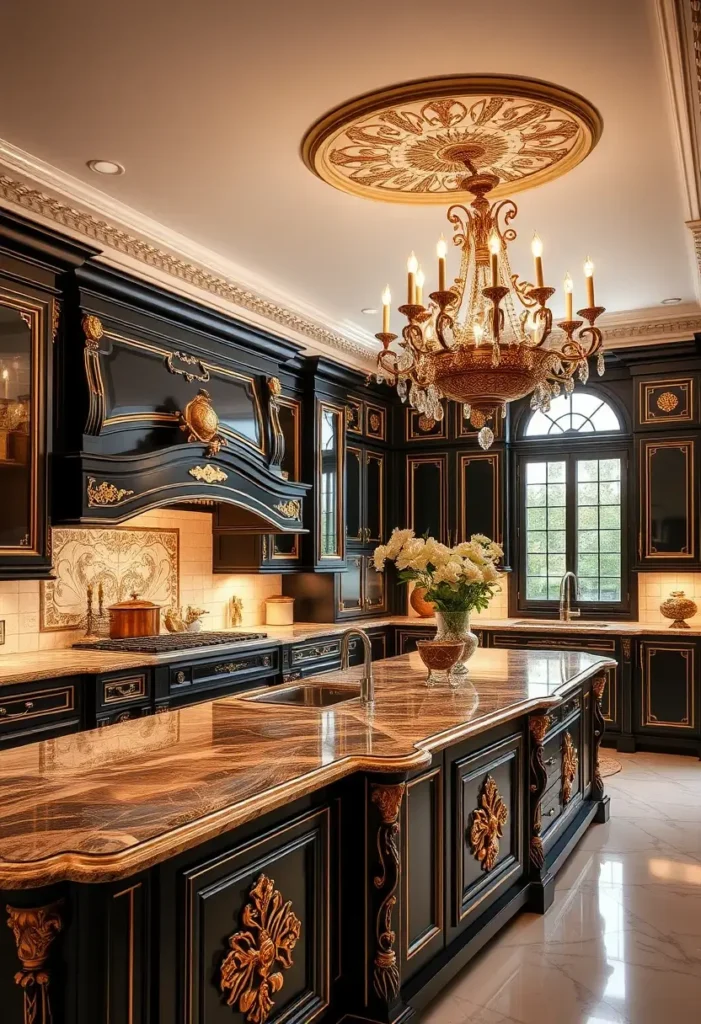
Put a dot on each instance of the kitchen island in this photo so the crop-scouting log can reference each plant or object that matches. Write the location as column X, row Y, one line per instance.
column 249, row 860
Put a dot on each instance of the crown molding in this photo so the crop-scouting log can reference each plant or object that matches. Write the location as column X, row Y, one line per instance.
column 650, row 326
column 154, row 252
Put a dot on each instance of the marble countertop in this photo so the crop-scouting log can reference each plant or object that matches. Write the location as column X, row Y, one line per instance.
column 102, row 805
column 29, row 667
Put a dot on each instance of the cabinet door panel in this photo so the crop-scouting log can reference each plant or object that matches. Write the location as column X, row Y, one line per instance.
column 479, row 495
column 217, row 893
column 373, row 587
column 669, row 687
column 350, row 585
column 374, row 497
column 423, row 870
column 354, row 493
column 668, row 504
column 406, row 639
column 427, row 482
column 330, row 441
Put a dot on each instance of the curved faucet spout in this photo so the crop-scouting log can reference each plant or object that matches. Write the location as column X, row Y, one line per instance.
column 367, row 682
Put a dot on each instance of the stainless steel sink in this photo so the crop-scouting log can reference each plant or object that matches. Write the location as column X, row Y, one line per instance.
column 314, row 695
column 577, row 624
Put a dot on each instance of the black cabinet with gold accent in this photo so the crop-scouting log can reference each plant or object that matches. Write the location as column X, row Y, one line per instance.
column 667, row 698
column 667, row 402
column 366, row 495
column 668, row 498
column 357, row 592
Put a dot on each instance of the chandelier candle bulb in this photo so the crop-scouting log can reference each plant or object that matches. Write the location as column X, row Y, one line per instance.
column 589, row 276
column 441, row 250
column 537, row 250
column 494, row 247
column 412, row 265
column 420, row 282
column 568, row 286
column 386, row 304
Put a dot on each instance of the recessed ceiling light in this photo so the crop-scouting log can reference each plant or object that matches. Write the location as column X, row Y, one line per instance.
column 105, row 167
column 670, row 302
column 369, row 311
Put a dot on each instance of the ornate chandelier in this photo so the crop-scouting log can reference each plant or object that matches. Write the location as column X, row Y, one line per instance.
column 469, row 342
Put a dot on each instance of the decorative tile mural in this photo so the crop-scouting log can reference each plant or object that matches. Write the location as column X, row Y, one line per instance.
column 123, row 560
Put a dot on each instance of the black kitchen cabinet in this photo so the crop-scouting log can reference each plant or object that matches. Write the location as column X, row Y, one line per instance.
column 365, row 495
column 40, row 710
column 668, row 690
column 668, row 516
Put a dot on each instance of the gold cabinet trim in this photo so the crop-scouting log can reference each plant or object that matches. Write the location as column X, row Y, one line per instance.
column 131, row 987
column 379, row 458
column 116, row 691
column 338, row 412
column 441, row 461
column 378, row 433
column 688, row 447
column 488, row 822
column 647, row 718
column 411, row 950
column 358, row 406
column 66, row 692
column 646, row 387
column 411, row 416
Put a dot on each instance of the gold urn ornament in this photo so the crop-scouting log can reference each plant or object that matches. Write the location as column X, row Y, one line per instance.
column 201, row 422
column 678, row 607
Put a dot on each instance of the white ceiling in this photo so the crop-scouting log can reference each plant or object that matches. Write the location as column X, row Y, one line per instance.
column 205, row 105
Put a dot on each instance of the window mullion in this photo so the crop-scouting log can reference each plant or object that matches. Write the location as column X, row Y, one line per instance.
column 571, row 522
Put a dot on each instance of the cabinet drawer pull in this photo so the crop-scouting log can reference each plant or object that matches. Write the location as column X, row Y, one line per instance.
column 180, row 677
column 117, row 691
column 28, row 706
column 551, row 812
column 550, row 761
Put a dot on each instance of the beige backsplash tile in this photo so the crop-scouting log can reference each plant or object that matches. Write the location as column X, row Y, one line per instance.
column 654, row 588
column 498, row 606
column 19, row 600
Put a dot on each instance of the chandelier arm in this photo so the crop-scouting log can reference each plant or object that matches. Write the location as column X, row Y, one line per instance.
column 462, row 222
column 387, row 361
column 596, row 340
column 523, row 290
column 507, row 210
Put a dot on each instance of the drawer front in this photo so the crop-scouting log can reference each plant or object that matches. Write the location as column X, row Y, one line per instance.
column 125, row 689
column 320, row 650
column 564, row 711
column 125, row 715
column 41, row 704
column 220, row 673
column 551, row 808
column 567, row 642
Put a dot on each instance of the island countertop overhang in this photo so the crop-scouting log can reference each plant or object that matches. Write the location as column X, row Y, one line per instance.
column 92, row 807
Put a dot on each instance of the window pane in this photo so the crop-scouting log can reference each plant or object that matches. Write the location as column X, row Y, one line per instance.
column 599, row 528
column 546, row 539
column 578, row 413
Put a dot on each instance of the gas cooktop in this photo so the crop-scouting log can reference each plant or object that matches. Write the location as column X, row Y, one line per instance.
column 166, row 642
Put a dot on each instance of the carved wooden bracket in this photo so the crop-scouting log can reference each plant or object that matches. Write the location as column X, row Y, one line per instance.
column 386, row 881
column 539, row 725
column 35, row 930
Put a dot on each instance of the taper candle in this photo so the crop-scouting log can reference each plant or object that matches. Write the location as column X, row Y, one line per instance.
column 420, row 282
column 386, row 305
column 494, row 249
column 537, row 250
column 568, row 286
column 589, row 277
column 441, row 250
column 412, row 265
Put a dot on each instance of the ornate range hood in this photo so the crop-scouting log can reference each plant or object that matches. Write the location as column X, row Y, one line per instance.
column 162, row 403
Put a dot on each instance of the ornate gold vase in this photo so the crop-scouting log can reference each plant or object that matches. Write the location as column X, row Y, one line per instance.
column 678, row 607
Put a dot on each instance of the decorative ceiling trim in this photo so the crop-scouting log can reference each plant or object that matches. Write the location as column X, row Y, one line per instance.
column 99, row 230
column 648, row 327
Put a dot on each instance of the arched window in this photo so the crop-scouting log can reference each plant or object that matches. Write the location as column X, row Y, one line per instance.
column 578, row 413
column 572, row 508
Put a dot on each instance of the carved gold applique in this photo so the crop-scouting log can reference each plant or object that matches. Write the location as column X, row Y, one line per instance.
column 208, row 474
column 35, row 930
column 667, row 402
column 290, row 509
column 488, row 823
column 375, row 422
column 200, row 420
column 426, row 423
column 570, row 764
column 92, row 329
column 105, row 493
column 183, row 357
column 55, row 319
column 274, row 386
column 248, row 971
column 386, row 970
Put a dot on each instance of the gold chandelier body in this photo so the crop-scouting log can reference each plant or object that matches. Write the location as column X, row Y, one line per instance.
column 489, row 339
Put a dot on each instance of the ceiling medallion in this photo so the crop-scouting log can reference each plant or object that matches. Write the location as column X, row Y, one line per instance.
column 400, row 144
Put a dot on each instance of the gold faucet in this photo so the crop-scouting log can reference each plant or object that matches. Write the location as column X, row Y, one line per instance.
column 367, row 682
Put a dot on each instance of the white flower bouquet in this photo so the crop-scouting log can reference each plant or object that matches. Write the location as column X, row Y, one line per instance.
column 459, row 579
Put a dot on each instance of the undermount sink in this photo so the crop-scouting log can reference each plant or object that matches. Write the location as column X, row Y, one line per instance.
column 319, row 695
column 577, row 624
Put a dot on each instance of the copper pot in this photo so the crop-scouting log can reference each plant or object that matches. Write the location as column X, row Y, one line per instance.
column 134, row 618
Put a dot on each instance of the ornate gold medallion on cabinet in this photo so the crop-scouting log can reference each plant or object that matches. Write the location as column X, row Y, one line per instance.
column 488, row 823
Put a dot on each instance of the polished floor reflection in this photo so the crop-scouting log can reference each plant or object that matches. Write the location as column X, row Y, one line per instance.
column 622, row 942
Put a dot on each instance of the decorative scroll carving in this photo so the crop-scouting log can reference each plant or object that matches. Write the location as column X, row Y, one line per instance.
column 570, row 764
column 105, row 493
column 34, row 931
column 598, row 686
column 386, row 970
column 93, row 331
column 625, row 648
column 201, row 423
column 208, row 474
column 539, row 725
column 277, row 438
column 248, row 975
column 488, row 823
column 183, row 357
column 290, row 509
column 55, row 319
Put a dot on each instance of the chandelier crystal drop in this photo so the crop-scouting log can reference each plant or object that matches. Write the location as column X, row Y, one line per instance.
column 489, row 339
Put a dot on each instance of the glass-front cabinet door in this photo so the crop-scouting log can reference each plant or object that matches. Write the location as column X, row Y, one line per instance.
column 374, row 497
column 668, row 529
column 330, row 462
column 23, row 390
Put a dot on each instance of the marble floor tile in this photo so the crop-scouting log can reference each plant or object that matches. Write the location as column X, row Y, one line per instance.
column 621, row 943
